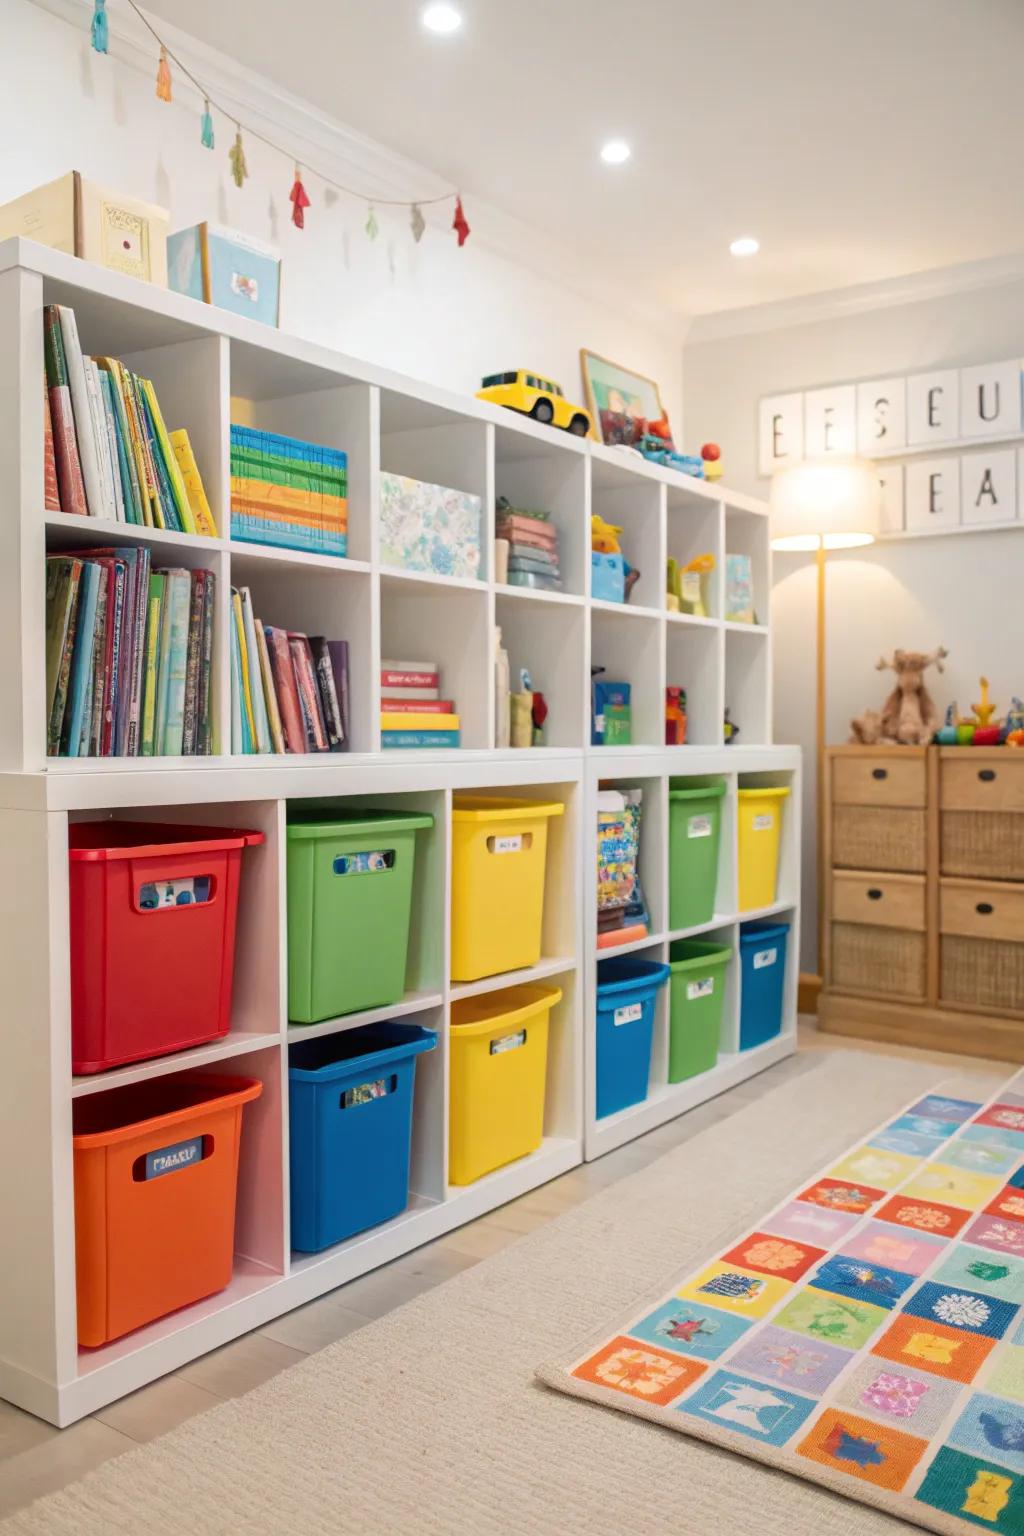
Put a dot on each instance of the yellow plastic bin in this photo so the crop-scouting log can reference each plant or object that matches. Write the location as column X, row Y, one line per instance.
column 499, row 1063
column 499, row 851
column 760, row 827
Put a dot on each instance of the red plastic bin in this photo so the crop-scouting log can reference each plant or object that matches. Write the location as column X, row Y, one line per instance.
column 156, row 1181
column 153, row 911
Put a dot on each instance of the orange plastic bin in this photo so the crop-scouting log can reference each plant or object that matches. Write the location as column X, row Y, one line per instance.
column 156, row 1176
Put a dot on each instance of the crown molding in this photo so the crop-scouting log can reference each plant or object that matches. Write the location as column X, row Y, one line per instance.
column 860, row 298
column 351, row 158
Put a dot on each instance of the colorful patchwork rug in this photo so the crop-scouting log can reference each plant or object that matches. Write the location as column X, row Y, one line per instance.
column 868, row 1334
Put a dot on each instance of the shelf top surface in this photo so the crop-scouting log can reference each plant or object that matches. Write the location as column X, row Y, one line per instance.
column 267, row 362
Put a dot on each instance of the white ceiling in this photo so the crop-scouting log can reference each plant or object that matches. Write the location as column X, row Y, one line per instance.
column 857, row 139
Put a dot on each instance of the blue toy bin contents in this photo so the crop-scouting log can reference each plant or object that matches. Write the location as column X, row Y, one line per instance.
column 762, row 981
column 626, row 994
column 607, row 577
column 350, row 1109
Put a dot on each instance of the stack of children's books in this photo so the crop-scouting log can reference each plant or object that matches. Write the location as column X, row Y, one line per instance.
column 412, row 711
column 288, row 492
column 289, row 691
column 532, row 538
column 108, row 451
column 129, row 656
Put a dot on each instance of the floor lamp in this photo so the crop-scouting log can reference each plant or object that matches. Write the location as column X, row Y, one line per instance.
column 817, row 506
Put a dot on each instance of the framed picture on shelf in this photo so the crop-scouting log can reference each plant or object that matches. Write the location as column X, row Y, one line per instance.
column 621, row 402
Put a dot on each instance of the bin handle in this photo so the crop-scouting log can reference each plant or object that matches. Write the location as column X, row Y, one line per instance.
column 371, row 861
column 510, row 842
column 178, row 1157
column 505, row 1043
column 149, row 894
column 368, row 1092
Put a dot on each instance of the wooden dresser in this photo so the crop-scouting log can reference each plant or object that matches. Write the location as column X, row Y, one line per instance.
column 924, row 897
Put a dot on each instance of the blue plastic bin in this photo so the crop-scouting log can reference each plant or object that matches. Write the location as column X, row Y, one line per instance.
column 762, row 981
column 607, row 577
column 350, row 1098
column 626, row 993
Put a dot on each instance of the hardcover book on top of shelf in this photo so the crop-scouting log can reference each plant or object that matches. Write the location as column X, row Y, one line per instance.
column 76, row 215
column 288, row 493
column 227, row 268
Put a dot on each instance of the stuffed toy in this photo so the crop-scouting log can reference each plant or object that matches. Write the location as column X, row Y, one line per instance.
column 908, row 717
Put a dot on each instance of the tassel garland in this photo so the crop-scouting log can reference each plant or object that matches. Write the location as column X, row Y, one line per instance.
column 372, row 227
column 206, row 131
column 163, row 77
column 418, row 223
column 460, row 223
column 299, row 201
column 100, row 28
column 236, row 159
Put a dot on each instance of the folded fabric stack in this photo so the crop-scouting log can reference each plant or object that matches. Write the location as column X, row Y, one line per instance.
column 533, row 547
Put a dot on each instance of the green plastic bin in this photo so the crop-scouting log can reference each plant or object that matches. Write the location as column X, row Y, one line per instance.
column 694, row 832
column 349, row 905
column 696, row 993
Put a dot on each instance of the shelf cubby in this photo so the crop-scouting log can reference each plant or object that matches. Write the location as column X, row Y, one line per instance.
column 694, row 528
column 548, row 477
column 628, row 645
column 745, row 534
column 549, row 640
column 422, row 621
column 638, row 509
column 694, row 662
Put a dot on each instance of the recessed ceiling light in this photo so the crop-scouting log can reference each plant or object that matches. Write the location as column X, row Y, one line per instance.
column 746, row 245
column 441, row 18
column 615, row 152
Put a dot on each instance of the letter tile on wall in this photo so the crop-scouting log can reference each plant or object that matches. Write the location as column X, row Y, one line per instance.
column 988, row 486
column 830, row 421
column 781, row 431
column 933, row 407
column 932, row 493
column 881, row 416
column 990, row 399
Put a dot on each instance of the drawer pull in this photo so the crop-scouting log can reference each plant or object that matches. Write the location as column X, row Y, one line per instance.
column 986, row 775
column 879, row 773
column 874, row 894
column 985, row 908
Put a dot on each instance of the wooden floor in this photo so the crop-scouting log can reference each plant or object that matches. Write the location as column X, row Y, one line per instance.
column 36, row 1459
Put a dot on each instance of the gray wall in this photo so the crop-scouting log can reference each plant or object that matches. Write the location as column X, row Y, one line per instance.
column 965, row 591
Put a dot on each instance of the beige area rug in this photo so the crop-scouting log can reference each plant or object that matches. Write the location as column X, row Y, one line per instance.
column 431, row 1421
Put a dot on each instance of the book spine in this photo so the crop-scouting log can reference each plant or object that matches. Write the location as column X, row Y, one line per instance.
column 237, row 744
column 269, row 691
column 392, row 739
column 85, row 429
column 260, row 716
column 180, row 589
column 143, row 468
column 113, row 662
column 60, row 698
column 154, row 625
column 94, row 736
column 407, row 706
column 416, row 722
column 99, row 417
column 129, row 469
column 287, row 690
column 205, row 747
column 390, row 678
column 62, row 416
column 106, row 401
column 51, row 488
column 193, row 663
column 248, row 722
column 309, row 694
column 137, row 664
column 175, row 483
column 328, row 693
column 195, row 490
column 339, row 660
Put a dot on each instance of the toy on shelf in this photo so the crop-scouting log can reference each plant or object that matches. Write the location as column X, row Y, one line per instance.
column 984, row 711
column 622, row 914
column 908, row 717
column 730, row 731
column 611, row 712
column 612, row 579
column 538, row 398
column 711, row 456
column 531, row 556
column 739, row 590
column 528, row 711
column 675, row 717
column 687, row 586
column 1013, row 725
column 946, row 735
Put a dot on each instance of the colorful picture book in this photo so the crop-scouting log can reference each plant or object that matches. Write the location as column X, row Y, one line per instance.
column 129, row 656
column 289, row 691
column 412, row 712
column 112, row 454
column 288, row 493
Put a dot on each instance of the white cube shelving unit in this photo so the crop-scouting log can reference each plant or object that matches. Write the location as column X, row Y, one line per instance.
column 211, row 368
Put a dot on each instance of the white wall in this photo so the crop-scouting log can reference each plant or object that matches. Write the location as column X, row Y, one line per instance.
column 962, row 591
column 431, row 311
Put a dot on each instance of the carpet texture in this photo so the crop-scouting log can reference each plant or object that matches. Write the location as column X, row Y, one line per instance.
column 865, row 1333
column 430, row 1420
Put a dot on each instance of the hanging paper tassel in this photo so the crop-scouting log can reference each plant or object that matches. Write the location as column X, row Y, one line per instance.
column 100, row 27
column 206, row 132
column 299, row 201
column 460, row 224
column 236, row 159
column 372, row 227
column 163, row 77
column 418, row 222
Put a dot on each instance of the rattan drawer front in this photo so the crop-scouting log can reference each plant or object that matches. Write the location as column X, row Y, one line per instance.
column 880, row 901
column 981, row 783
column 888, row 779
column 884, row 962
column 979, row 909
column 878, row 837
column 982, row 973
column 989, row 844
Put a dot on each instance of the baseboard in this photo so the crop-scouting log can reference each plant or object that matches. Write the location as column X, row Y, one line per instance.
column 807, row 993
column 931, row 1029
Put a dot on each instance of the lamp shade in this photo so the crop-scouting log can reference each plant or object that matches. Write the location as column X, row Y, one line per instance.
column 829, row 503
